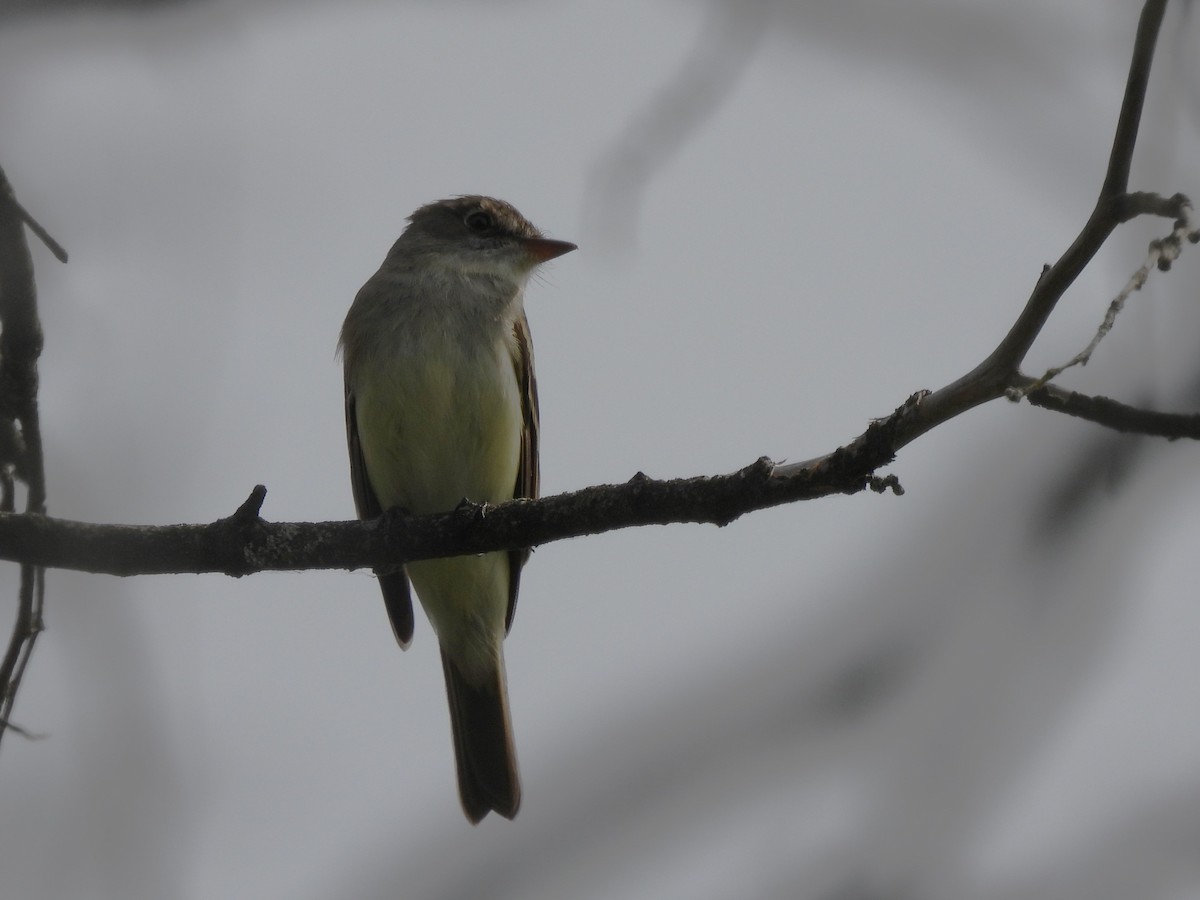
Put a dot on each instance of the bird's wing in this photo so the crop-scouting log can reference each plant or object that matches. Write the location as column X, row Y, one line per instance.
column 394, row 584
column 527, row 467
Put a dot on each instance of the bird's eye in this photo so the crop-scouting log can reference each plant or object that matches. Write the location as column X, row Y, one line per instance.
column 479, row 221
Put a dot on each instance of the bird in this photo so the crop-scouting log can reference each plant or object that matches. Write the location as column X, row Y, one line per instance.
column 441, row 407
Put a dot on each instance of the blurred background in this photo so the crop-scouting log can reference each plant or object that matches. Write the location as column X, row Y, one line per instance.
column 790, row 216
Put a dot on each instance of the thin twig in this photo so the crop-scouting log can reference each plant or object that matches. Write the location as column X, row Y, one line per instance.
column 1120, row 160
column 33, row 225
column 1162, row 253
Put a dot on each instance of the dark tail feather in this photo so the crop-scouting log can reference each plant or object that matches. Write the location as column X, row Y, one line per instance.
column 398, row 602
column 483, row 746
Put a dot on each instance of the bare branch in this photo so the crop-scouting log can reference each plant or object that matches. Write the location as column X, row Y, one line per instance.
column 1120, row 160
column 1114, row 415
column 1110, row 211
column 20, row 430
column 1000, row 371
column 33, row 225
column 244, row 543
column 1162, row 253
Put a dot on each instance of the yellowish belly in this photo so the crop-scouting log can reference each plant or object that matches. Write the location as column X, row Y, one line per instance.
column 432, row 433
column 438, row 430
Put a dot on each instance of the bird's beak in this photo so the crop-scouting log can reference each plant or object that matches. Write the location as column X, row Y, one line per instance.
column 542, row 249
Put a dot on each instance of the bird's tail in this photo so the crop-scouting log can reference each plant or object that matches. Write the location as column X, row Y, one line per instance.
column 483, row 744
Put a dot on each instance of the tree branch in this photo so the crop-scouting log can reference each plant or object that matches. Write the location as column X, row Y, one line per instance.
column 1117, row 416
column 1000, row 372
column 244, row 543
column 20, row 431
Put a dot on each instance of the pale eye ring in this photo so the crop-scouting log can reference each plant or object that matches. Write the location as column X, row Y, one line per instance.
column 479, row 221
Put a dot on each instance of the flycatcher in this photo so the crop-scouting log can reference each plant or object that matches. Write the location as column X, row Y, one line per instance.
column 441, row 406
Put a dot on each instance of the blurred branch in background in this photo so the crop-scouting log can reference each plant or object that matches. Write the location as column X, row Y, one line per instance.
column 20, row 433
column 13, row 9
column 653, row 137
